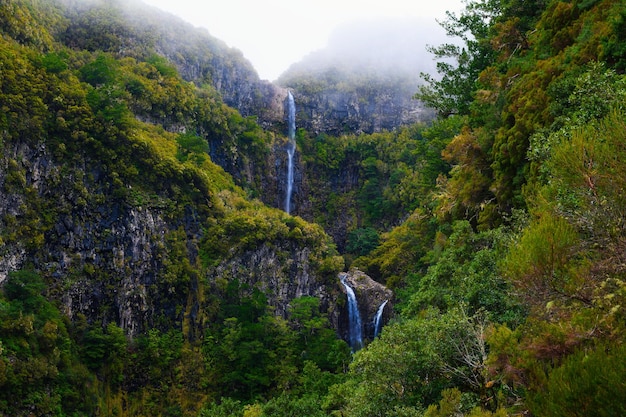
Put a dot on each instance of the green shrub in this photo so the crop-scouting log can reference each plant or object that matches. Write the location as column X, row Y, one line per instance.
column 588, row 383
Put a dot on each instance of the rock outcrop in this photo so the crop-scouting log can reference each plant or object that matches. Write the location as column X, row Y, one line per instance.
column 283, row 272
column 370, row 296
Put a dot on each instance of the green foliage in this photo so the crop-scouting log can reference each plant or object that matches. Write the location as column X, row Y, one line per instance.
column 563, row 263
column 22, row 98
column 543, row 261
column 55, row 62
column 453, row 91
column 614, row 51
column 29, row 25
column 412, row 362
column 400, row 251
column 192, row 146
column 26, row 288
column 286, row 406
column 227, row 407
column 464, row 271
column 466, row 193
column 580, row 96
column 451, row 405
column 253, row 352
column 103, row 70
column 588, row 383
column 527, row 47
column 165, row 68
column 362, row 241
column 316, row 340
column 588, row 172
column 374, row 181
column 39, row 370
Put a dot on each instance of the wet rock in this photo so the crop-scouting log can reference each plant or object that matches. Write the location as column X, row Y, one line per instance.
column 370, row 296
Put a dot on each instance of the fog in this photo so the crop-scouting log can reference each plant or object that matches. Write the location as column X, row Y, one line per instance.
column 385, row 46
column 273, row 34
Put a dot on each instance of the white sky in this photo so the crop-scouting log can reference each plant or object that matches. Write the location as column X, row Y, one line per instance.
column 273, row 34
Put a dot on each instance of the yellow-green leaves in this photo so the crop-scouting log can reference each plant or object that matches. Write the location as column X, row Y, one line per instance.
column 543, row 264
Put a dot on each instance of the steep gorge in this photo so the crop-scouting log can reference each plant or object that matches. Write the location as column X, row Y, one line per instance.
column 145, row 272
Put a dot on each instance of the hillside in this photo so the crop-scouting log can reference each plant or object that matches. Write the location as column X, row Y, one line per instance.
column 131, row 28
column 124, row 247
column 144, row 270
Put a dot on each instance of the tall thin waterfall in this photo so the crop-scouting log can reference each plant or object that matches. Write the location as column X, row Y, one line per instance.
column 291, row 149
column 354, row 317
column 378, row 319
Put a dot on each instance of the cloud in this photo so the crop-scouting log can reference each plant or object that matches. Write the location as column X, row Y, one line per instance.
column 273, row 34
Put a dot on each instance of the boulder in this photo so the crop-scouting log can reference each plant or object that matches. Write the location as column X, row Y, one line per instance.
column 370, row 296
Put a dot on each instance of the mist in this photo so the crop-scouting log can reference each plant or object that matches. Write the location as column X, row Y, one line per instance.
column 382, row 47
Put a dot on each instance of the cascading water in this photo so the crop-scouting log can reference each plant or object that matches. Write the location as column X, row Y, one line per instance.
column 354, row 317
column 291, row 149
column 378, row 319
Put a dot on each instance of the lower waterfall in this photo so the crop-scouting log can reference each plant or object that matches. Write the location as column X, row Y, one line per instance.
column 378, row 319
column 354, row 317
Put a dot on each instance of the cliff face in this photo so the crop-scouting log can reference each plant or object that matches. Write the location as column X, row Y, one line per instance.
column 104, row 258
column 336, row 112
column 330, row 102
column 241, row 88
column 232, row 76
column 201, row 58
column 364, row 79
column 127, row 259
column 132, row 28
column 326, row 196
column 283, row 272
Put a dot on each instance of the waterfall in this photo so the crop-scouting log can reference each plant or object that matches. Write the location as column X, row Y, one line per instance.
column 291, row 149
column 354, row 317
column 378, row 319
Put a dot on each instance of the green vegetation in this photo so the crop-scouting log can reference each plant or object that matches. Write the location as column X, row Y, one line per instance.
column 370, row 183
column 125, row 136
column 149, row 278
column 517, row 230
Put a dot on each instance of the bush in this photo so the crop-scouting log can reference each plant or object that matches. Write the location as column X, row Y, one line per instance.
column 588, row 383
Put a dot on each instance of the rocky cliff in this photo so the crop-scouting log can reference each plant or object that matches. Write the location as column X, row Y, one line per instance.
column 119, row 258
column 367, row 108
column 101, row 196
column 330, row 101
column 371, row 104
column 364, row 79
column 106, row 189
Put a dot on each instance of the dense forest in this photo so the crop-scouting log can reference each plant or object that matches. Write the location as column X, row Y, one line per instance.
column 142, row 275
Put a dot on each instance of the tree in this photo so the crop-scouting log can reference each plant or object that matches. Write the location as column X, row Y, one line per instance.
column 362, row 241
column 465, row 271
column 412, row 362
column 39, row 371
column 546, row 265
column 460, row 64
